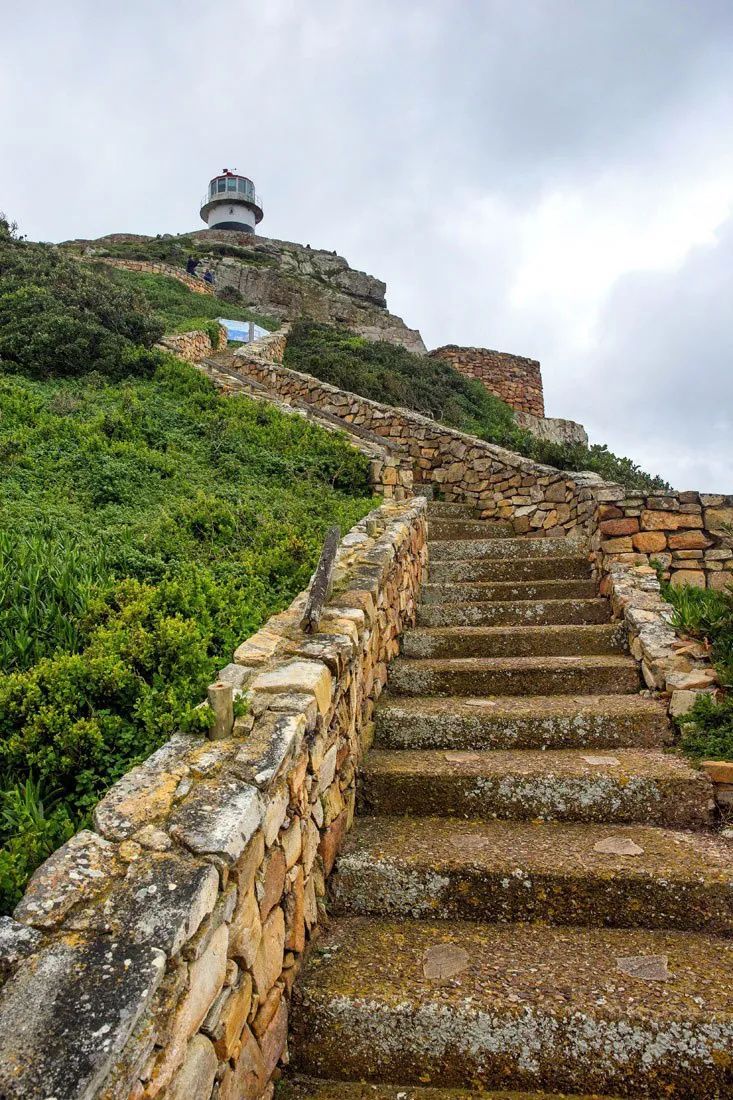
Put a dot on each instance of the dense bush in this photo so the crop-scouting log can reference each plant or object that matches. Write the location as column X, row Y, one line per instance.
column 148, row 527
column 707, row 731
column 60, row 317
column 388, row 373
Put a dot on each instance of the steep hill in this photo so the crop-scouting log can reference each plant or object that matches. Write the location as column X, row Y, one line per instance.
column 148, row 525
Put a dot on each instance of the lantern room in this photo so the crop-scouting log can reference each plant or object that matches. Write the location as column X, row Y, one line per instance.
column 231, row 203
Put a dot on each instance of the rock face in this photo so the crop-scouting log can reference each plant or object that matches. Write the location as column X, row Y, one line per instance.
column 290, row 280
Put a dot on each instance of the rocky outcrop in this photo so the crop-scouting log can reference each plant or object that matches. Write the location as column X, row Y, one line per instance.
column 292, row 281
column 554, row 429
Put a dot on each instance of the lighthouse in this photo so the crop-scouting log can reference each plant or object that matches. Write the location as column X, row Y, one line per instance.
column 231, row 203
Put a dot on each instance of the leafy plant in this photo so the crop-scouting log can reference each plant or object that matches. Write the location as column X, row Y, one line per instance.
column 707, row 730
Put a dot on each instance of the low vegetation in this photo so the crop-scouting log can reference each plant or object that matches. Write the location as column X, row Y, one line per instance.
column 148, row 525
column 180, row 309
column 385, row 372
column 707, row 731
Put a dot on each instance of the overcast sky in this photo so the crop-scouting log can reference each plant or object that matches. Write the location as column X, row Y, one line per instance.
column 548, row 177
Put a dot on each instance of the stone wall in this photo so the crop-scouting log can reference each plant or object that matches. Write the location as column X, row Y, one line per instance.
column 154, row 955
column 513, row 378
column 537, row 499
column 193, row 346
column 689, row 534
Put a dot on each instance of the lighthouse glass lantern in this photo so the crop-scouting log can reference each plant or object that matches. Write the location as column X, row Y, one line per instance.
column 231, row 203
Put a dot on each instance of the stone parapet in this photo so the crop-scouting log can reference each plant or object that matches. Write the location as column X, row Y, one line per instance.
column 688, row 534
column 513, row 378
column 153, row 955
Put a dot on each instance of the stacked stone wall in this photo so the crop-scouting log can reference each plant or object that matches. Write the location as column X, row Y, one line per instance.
column 539, row 500
column 154, row 955
column 514, row 379
column 193, row 346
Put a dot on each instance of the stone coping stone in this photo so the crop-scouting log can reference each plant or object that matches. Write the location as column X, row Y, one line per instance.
column 308, row 1088
column 514, row 721
column 559, row 784
column 629, row 876
column 69, row 1011
column 475, row 1005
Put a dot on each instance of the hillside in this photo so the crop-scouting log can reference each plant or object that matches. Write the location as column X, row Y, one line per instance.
column 148, row 525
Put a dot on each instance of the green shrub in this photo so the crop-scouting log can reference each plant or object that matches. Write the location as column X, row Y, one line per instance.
column 60, row 317
column 180, row 309
column 148, row 527
column 391, row 374
column 707, row 730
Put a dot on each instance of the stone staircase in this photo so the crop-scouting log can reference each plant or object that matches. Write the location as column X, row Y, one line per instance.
column 531, row 898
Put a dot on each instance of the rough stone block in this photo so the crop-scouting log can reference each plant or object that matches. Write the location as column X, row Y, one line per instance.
column 269, row 960
column 648, row 542
column 309, row 676
column 76, row 871
column 668, row 521
column 196, row 1076
column 68, row 1013
column 218, row 818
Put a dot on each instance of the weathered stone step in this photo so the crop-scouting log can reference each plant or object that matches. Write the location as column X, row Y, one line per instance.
column 309, row 1088
column 513, row 722
column 505, row 591
column 466, row 549
column 514, row 871
column 440, row 528
column 452, row 509
column 606, row 675
column 514, row 641
column 519, row 1006
column 630, row 785
column 515, row 613
column 517, row 569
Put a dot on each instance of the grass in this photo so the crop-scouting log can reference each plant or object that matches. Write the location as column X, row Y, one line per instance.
column 148, row 526
column 391, row 374
column 181, row 309
column 707, row 614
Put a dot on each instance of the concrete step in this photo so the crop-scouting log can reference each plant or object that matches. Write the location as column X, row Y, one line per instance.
column 514, row 641
column 606, row 675
column 467, row 549
column 515, row 871
column 513, row 722
column 629, row 785
column 518, row 1006
column 309, row 1088
column 558, row 567
column 507, row 591
column 440, row 528
column 515, row 613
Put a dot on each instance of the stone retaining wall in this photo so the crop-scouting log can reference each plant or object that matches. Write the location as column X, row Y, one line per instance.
column 193, row 346
column 154, row 955
column 513, row 378
column 537, row 499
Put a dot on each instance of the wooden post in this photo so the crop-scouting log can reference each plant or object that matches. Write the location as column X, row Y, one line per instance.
column 321, row 584
column 221, row 701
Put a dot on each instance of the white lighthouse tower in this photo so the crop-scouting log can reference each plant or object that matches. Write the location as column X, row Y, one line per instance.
column 231, row 203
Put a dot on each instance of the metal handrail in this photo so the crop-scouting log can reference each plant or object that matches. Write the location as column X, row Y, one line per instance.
column 226, row 196
column 320, row 586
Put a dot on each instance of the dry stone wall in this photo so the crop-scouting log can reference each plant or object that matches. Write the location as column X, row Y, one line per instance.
column 154, row 955
column 539, row 500
column 514, row 379
column 193, row 346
